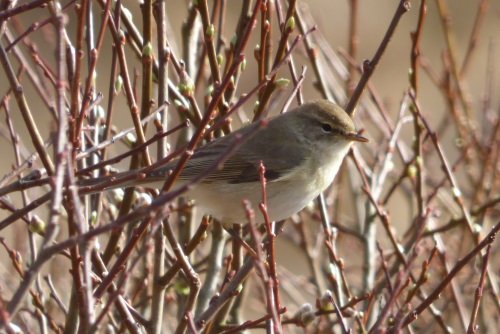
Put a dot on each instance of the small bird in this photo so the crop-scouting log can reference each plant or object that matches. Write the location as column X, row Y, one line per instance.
column 301, row 151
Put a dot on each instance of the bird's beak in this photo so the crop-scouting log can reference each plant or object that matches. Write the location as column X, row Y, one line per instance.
column 355, row 137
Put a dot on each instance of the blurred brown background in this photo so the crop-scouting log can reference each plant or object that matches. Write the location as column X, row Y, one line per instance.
column 332, row 18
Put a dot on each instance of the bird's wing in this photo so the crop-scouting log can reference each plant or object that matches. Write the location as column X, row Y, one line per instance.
column 243, row 164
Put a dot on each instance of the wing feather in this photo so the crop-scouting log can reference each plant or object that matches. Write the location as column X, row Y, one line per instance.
column 243, row 165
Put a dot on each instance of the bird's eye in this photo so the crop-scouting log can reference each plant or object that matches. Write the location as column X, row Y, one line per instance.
column 326, row 127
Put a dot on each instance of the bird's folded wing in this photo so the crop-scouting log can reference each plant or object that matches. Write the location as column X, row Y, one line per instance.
column 241, row 166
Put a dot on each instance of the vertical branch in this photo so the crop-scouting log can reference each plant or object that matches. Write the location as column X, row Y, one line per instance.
column 286, row 31
column 190, row 41
column 209, row 34
column 157, row 302
column 451, row 45
column 415, row 50
column 417, row 143
column 18, row 90
column 482, row 9
column 75, row 85
column 479, row 292
column 214, row 265
column 260, row 54
column 192, row 277
column 147, row 61
column 269, row 279
column 353, row 43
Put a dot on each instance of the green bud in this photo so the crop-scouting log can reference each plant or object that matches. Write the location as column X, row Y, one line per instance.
column 256, row 106
column 130, row 139
column 411, row 171
column 256, row 52
column 36, row 225
column 147, row 50
column 210, row 30
column 99, row 112
column 118, row 84
column 476, row 228
column 186, row 86
column 93, row 217
column 220, row 59
column 325, row 301
column 234, row 39
column 186, row 89
column 419, row 162
column 181, row 287
column 178, row 104
column 290, row 23
column 243, row 65
column 121, row 35
column 281, row 83
column 210, row 90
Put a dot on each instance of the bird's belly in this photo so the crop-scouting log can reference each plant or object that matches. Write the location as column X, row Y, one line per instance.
column 225, row 202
